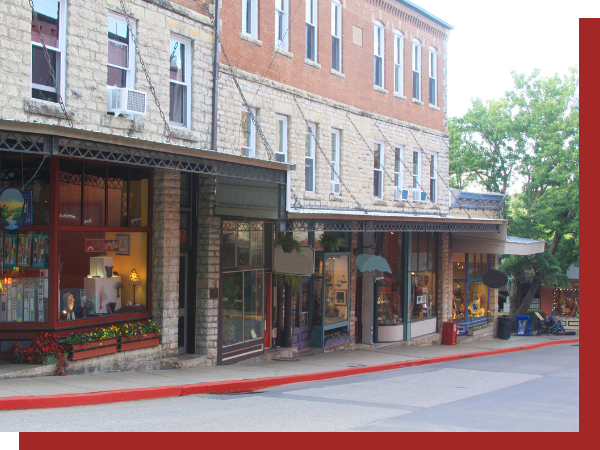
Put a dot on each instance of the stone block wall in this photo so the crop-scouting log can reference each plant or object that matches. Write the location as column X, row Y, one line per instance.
column 165, row 257
column 445, row 277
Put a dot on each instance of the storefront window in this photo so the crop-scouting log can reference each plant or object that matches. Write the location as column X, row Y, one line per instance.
column 24, row 283
column 423, row 299
column 336, row 289
column 243, row 244
column 95, row 273
column 477, row 299
column 389, row 290
column 470, row 297
column 566, row 301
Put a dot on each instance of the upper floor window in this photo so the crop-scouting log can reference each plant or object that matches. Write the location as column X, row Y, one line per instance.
column 378, row 46
column 335, row 161
column 398, row 63
column 121, row 53
column 250, row 18
column 309, row 158
column 248, row 134
column 51, row 17
column 179, row 78
column 281, row 24
column 378, row 171
column 432, row 76
column 416, row 175
column 281, row 139
column 311, row 30
column 398, row 173
column 416, row 69
column 433, row 178
column 336, row 35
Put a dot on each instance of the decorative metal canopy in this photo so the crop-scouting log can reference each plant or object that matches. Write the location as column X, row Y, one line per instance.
column 374, row 226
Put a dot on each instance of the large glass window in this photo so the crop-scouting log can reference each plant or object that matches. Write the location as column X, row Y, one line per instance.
column 51, row 18
column 378, row 52
column 336, row 289
column 311, row 30
column 243, row 244
column 398, row 62
column 389, row 290
column 416, row 69
column 250, row 18
column 336, row 35
column 179, row 82
column 432, row 76
column 281, row 24
column 470, row 297
column 423, row 299
column 121, row 55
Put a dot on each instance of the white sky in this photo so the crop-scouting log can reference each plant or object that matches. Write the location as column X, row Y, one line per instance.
column 491, row 38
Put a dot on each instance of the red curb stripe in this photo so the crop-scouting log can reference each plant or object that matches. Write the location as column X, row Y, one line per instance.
column 234, row 386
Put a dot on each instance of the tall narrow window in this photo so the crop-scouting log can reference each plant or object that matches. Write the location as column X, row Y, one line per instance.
column 248, row 134
column 311, row 30
column 378, row 52
column 378, row 171
column 309, row 158
column 433, row 178
column 398, row 63
column 281, row 138
column 281, row 24
column 250, row 18
column 416, row 69
column 432, row 76
column 398, row 173
column 179, row 78
column 336, row 35
column 121, row 53
column 335, row 161
column 51, row 16
column 416, row 175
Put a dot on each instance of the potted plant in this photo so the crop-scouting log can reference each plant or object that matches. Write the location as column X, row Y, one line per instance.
column 332, row 242
column 98, row 342
column 293, row 281
column 44, row 349
column 336, row 338
column 139, row 335
column 474, row 331
column 288, row 243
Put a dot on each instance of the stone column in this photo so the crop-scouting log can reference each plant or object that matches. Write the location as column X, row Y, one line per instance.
column 352, row 285
column 165, row 259
column 208, row 270
column 445, row 275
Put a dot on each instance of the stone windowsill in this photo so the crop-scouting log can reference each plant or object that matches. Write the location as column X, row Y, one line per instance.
column 283, row 52
column 250, row 39
column 311, row 195
column 45, row 108
column 182, row 133
column 437, row 108
column 418, row 102
column 380, row 89
column 335, row 197
column 312, row 63
column 337, row 74
column 400, row 96
column 121, row 123
column 379, row 202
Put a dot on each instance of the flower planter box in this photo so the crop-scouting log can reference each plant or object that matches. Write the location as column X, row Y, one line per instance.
column 95, row 348
column 330, row 342
column 147, row 340
column 51, row 359
column 471, row 332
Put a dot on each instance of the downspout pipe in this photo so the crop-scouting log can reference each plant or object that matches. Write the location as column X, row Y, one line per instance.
column 215, row 87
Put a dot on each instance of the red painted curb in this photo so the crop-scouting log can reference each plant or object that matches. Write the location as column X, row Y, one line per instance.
column 233, row 386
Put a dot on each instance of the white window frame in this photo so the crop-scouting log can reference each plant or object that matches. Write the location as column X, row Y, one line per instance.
column 398, row 62
column 416, row 175
column 187, row 76
column 335, row 161
column 252, row 15
column 433, row 76
column 309, row 154
column 281, row 154
column 380, row 170
column 336, row 33
column 130, row 78
column 416, row 68
column 378, row 52
column 61, row 50
column 398, row 171
column 282, row 19
column 433, row 171
column 312, row 10
column 249, row 151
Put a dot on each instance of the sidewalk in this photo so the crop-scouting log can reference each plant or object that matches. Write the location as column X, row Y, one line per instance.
column 57, row 391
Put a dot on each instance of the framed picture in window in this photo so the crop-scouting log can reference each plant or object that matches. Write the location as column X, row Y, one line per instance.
column 38, row 258
column 340, row 297
column 24, row 250
column 10, row 250
column 123, row 244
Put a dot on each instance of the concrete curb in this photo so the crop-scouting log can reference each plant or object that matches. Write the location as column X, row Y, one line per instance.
column 233, row 386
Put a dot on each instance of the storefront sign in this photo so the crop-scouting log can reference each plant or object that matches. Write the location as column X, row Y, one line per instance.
column 15, row 208
column 495, row 279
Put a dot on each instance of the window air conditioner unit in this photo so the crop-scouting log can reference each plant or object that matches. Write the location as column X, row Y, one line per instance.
column 126, row 102
column 419, row 196
column 401, row 194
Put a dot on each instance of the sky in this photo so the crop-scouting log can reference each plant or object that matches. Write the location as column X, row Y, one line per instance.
column 492, row 38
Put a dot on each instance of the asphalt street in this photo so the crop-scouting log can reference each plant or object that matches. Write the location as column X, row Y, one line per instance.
column 535, row 390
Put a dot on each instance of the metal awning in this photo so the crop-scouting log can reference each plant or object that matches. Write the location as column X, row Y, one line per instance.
column 510, row 245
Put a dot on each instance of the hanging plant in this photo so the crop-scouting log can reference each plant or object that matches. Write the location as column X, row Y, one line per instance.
column 293, row 281
column 332, row 242
column 288, row 243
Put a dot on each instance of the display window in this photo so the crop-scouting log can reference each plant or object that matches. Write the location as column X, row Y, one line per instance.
column 243, row 281
column 423, row 280
column 470, row 297
column 336, row 288
column 389, row 289
column 566, row 301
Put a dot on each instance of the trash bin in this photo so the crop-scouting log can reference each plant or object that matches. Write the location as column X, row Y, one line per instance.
column 503, row 327
column 449, row 333
column 523, row 326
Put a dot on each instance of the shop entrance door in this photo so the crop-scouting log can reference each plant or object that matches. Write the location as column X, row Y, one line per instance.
column 300, row 315
column 187, row 263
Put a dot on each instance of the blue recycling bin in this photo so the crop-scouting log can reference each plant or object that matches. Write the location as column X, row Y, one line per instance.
column 523, row 326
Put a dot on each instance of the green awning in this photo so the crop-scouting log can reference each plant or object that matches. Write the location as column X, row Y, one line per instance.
column 368, row 263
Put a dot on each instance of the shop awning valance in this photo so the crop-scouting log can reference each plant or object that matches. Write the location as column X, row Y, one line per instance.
column 509, row 246
column 368, row 263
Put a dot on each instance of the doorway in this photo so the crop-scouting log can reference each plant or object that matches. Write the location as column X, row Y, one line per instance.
column 300, row 315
